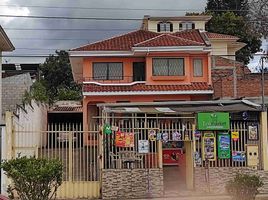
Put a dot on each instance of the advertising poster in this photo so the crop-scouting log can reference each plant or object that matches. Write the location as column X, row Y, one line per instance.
column 123, row 139
column 209, row 147
column 239, row 156
column 252, row 132
column 143, row 146
column 224, row 151
column 235, row 136
column 171, row 156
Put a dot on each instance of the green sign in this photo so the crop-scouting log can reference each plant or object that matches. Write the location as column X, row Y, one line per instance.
column 107, row 129
column 224, row 150
column 213, row 121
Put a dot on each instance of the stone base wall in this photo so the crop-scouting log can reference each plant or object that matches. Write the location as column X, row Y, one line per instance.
column 132, row 183
column 219, row 176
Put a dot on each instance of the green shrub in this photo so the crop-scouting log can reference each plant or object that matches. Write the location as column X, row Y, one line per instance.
column 244, row 186
column 33, row 178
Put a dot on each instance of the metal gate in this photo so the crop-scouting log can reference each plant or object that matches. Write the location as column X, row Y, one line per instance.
column 81, row 174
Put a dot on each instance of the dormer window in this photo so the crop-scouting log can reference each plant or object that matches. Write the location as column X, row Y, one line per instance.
column 186, row 26
column 164, row 27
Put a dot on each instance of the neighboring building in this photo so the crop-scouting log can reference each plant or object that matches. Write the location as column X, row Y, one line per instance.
column 221, row 44
column 16, row 69
column 5, row 45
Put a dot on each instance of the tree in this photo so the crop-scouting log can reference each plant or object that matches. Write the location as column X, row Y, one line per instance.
column 239, row 7
column 231, row 24
column 235, row 22
column 33, row 178
column 56, row 82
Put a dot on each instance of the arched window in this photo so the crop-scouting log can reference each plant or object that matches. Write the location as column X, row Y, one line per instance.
column 164, row 27
column 186, row 26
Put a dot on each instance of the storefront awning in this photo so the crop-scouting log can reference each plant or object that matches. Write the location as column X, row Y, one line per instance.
column 182, row 107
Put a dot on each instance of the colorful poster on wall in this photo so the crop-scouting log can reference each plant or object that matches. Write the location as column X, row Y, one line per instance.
column 143, row 146
column 239, row 156
column 209, row 147
column 152, row 135
column 176, row 136
column 224, row 150
column 252, row 132
column 172, row 156
column 235, row 136
column 123, row 139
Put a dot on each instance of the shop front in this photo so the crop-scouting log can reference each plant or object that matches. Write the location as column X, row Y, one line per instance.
column 161, row 148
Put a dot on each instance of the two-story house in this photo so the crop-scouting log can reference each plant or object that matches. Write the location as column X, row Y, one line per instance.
column 169, row 60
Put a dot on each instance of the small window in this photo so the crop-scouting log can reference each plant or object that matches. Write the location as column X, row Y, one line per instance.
column 186, row 26
column 198, row 67
column 164, row 27
column 107, row 71
column 168, row 67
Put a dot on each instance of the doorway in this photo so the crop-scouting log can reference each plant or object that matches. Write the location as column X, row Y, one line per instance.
column 139, row 71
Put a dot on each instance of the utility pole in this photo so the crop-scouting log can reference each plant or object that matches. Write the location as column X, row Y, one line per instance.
column 262, row 82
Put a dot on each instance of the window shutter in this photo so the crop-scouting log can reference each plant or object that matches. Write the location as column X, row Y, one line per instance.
column 171, row 27
column 158, row 27
column 193, row 25
column 180, row 26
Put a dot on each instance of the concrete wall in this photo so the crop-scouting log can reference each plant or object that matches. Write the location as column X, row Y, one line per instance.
column 132, row 183
column 219, row 176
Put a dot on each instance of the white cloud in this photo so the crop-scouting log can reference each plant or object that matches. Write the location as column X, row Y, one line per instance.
column 11, row 11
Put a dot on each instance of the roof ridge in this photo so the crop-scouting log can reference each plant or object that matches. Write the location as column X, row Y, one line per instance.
column 149, row 39
column 116, row 36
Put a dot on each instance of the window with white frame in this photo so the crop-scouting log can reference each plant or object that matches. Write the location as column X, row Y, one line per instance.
column 186, row 26
column 168, row 66
column 164, row 27
column 108, row 71
column 198, row 67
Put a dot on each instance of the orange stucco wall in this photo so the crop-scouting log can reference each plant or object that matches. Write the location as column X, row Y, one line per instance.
column 150, row 79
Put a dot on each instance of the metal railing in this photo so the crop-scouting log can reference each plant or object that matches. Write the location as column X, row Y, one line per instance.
column 113, row 79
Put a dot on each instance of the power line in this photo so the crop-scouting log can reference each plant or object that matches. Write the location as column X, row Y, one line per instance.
column 88, row 18
column 66, row 29
column 99, row 8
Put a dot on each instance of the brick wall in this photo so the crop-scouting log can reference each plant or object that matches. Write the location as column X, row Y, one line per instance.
column 13, row 89
column 247, row 84
column 132, row 183
column 219, row 176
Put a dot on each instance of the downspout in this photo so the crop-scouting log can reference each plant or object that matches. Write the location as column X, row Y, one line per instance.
column 235, row 80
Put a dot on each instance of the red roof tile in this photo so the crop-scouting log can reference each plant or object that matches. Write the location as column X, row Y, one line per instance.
column 220, row 36
column 119, row 43
column 168, row 40
column 193, row 34
column 67, row 109
column 142, row 87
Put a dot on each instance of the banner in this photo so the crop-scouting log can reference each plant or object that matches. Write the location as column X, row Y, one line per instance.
column 209, row 147
column 239, row 156
column 224, row 151
column 123, row 139
column 213, row 121
column 171, row 156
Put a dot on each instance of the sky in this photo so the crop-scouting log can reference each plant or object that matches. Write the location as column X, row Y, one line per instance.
column 44, row 37
column 47, row 41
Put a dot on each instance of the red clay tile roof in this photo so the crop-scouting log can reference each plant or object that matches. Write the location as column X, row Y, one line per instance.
column 168, row 40
column 220, row 36
column 193, row 34
column 67, row 109
column 142, row 87
column 127, row 41
column 119, row 43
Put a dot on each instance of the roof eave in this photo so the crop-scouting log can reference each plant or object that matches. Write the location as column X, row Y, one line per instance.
column 5, row 38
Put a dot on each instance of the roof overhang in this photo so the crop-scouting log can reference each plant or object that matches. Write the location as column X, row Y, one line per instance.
column 5, row 43
column 177, row 107
column 171, row 49
column 135, row 93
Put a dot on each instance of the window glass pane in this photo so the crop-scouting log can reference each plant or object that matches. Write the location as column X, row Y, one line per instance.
column 160, row 67
column 198, row 67
column 100, row 71
column 115, row 71
column 162, row 27
column 176, row 67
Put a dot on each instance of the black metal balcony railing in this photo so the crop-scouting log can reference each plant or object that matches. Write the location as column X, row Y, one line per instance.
column 113, row 79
